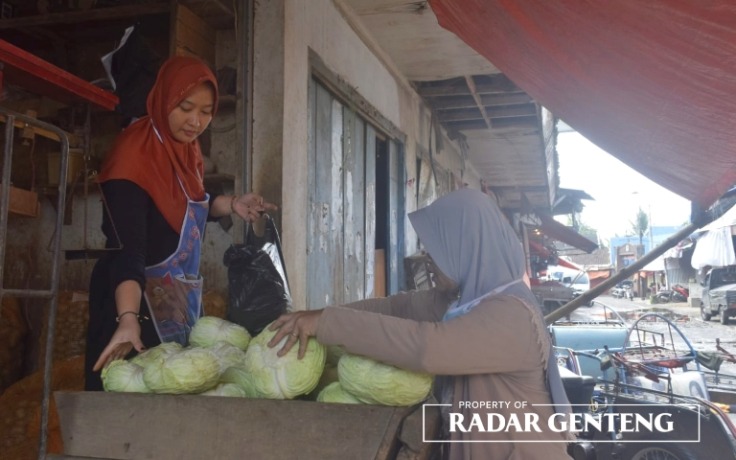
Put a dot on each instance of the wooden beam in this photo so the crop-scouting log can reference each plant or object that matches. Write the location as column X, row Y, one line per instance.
column 191, row 36
column 500, row 123
column 488, row 84
column 488, row 100
column 74, row 141
column 528, row 110
column 471, row 86
column 95, row 14
column 218, row 3
column 493, row 113
column 465, row 125
column 460, row 115
column 517, row 123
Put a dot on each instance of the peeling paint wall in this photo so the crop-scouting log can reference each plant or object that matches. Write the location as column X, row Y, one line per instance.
column 320, row 26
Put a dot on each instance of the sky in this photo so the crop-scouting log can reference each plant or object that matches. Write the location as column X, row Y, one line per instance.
column 618, row 190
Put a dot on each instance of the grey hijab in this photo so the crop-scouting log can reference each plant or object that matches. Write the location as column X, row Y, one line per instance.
column 471, row 241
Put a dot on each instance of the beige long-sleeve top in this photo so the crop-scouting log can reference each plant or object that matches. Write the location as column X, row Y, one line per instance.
column 496, row 352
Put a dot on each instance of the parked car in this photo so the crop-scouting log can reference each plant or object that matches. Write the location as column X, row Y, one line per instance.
column 551, row 294
column 719, row 294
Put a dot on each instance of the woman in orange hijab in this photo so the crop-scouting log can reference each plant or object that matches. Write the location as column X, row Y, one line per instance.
column 150, row 290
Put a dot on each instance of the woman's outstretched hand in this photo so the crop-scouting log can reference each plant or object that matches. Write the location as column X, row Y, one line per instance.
column 298, row 326
column 250, row 206
column 126, row 337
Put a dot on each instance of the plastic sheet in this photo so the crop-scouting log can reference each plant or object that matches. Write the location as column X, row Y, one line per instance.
column 257, row 283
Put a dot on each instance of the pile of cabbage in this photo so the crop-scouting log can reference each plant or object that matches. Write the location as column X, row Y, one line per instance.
column 224, row 360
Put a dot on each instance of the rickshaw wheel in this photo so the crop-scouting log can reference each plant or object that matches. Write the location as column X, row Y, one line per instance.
column 661, row 453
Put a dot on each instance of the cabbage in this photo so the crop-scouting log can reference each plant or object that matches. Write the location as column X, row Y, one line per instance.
column 190, row 371
column 335, row 393
column 163, row 350
column 283, row 377
column 377, row 383
column 228, row 355
column 329, row 375
column 125, row 376
column 238, row 376
column 209, row 330
column 226, row 389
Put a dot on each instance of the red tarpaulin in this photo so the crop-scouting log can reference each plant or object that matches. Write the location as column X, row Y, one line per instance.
column 652, row 82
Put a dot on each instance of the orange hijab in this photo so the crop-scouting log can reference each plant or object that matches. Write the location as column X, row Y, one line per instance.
column 140, row 157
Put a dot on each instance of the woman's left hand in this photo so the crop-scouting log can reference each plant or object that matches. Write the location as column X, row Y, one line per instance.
column 250, row 206
column 298, row 326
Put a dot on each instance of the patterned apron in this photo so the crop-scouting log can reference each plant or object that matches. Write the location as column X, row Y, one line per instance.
column 174, row 286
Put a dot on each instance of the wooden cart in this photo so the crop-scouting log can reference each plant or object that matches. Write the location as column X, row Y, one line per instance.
column 98, row 426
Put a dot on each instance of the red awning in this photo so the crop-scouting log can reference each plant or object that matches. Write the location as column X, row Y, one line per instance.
column 559, row 232
column 650, row 82
column 22, row 68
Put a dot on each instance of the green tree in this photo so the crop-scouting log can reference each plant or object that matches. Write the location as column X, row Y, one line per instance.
column 640, row 225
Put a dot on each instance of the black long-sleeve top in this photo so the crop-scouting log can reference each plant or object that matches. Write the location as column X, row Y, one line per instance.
column 146, row 236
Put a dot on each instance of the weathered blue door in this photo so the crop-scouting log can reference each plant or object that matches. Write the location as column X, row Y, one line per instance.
column 342, row 222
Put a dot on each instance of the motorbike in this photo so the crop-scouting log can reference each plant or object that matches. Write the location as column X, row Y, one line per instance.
column 623, row 291
column 678, row 293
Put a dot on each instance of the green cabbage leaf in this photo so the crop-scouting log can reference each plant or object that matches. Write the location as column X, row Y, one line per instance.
column 209, row 330
column 335, row 393
column 374, row 382
column 123, row 376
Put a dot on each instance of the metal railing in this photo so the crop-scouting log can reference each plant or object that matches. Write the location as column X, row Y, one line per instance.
column 53, row 291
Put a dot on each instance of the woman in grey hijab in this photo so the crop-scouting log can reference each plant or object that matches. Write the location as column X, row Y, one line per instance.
column 484, row 336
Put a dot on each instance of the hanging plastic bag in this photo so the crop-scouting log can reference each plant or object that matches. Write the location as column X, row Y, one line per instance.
column 257, row 283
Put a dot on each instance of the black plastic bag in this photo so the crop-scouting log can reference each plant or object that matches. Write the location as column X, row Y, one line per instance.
column 257, row 283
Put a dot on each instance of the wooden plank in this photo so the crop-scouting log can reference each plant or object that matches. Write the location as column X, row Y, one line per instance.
column 74, row 141
column 494, row 113
column 476, row 97
column 191, row 36
column 494, row 84
column 335, row 236
column 395, row 251
column 321, row 272
column 23, row 202
column 370, row 212
column 353, row 198
column 380, row 273
column 221, row 4
column 529, row 123
column 194, row 24
column 189, row 427
column 93, row 15
column 488, row 100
